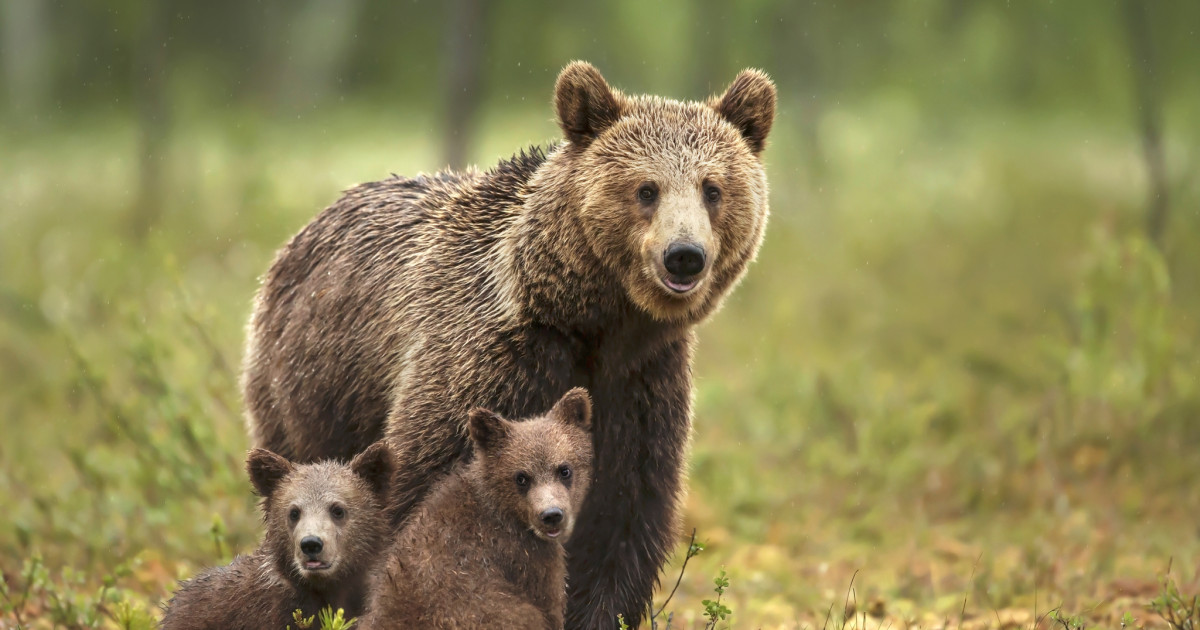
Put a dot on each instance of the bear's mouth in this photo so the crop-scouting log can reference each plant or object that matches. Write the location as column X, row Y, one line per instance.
column 680, row 285
column 315, row 565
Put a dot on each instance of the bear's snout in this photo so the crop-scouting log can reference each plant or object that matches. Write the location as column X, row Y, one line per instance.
column 552, row 516
column 311, row 545
column 684, row 259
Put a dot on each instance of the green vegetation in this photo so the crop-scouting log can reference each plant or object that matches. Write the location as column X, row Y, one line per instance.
column 960, row 386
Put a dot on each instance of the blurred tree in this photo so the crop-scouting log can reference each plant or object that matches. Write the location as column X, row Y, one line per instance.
column 319, row 41
column 149, row 79
column 23, row 44
column 465, row 46
column 1146, row 93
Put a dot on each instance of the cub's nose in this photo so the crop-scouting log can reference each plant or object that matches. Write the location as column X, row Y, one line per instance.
column 683, row 259
column 552, row 516
column 311, row 545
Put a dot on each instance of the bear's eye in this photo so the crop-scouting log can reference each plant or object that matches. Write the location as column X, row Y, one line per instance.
column 337, row 512
column 522, row 480
column 294, row 514
column 647, row 193
column 564, row 471
column 712, row 193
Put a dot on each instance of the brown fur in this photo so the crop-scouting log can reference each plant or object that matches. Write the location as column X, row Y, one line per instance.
column 475, row 553
column 410, row 301
column 262, row 590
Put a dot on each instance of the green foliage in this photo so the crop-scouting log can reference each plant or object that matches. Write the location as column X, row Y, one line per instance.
column 1067, row 622
column 69, row 601
column 714, row 610
column 954, row 341
column 335, row 620
column 1180, row 611
column 302, row 622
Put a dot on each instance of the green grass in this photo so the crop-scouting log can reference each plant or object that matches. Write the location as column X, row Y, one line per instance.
column 957, row 372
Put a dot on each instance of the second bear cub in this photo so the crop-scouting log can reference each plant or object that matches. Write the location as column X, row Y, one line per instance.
column 484, row 549
column 325, row 523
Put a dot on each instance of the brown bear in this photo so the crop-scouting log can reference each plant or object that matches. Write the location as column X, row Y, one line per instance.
column 410, row 301
column 484, row 548
column 325, row 524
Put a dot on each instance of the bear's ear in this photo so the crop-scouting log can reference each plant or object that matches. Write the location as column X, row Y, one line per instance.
column 574, row 408
column 266, row 470
column 749, row 104
column 584, row 103
column 488, row 429
column 375, row 466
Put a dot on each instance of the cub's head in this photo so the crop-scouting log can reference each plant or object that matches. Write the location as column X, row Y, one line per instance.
column 538, row 470
column 324, row 521
column 674, row 195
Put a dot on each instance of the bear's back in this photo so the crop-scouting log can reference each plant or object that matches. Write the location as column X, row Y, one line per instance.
column 243, row 595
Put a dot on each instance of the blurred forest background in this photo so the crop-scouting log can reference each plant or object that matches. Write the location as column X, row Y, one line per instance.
column 960, row 385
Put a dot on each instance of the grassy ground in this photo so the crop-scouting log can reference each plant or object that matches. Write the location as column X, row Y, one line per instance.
column 957, row 388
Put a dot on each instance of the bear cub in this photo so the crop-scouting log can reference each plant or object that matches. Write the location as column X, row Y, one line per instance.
column 485, row 547
column 325, row 526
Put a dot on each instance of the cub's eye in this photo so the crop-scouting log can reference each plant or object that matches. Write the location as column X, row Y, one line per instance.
column 294, row 514
column 712, row 193
column 564, row 471
column 522, row 480
column 337, row 512
column 647, row 193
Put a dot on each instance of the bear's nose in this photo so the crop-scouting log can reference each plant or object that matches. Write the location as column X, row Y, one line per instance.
column 683, row 259
column 311, row 545
column 552, row 516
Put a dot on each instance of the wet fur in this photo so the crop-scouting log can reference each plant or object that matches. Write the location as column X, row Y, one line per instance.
column 261, row 590
column 468, row 556
column 410, row 301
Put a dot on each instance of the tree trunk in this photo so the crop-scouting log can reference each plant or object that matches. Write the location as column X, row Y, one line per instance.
column 465, row 46
column 150, row 92
column 23, row 39
column 1149, row 105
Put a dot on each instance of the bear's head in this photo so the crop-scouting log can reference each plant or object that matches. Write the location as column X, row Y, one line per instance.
column 536, row 471
column 672, row 195
column 324, row 521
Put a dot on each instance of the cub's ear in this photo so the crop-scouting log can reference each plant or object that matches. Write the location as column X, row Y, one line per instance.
column 574, row 408
column 585, row 104
column 375, row 466
column 488, row 429
column 749, row 104
column 266, row 470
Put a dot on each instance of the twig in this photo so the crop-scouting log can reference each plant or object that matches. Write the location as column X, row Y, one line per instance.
column 682, row 568
column 846, row 603
column 962, row 615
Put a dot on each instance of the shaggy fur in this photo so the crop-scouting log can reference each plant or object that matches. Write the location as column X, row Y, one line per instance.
column 263, row 589
column 410, row 301
column 476, row 552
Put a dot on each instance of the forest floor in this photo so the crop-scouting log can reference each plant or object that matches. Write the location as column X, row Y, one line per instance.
column 958, row 389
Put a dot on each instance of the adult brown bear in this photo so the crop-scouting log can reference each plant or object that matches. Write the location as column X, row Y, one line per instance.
column 410, row 301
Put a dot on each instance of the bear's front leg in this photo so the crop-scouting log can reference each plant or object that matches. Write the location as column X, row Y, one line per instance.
column 629, row 523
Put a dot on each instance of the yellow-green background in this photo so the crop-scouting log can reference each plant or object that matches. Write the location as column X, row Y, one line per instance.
column 960, row 367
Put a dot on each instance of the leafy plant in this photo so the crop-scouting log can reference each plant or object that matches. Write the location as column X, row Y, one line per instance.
column 714, row 610
column 331, row 620
column 1180, row 611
